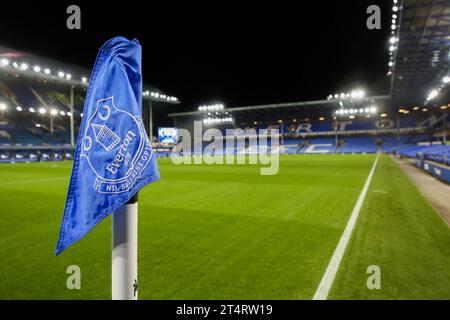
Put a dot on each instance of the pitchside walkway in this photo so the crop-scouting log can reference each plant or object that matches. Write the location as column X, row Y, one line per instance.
column 434, row 190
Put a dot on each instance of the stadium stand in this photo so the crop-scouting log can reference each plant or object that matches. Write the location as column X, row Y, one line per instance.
column 358, row 145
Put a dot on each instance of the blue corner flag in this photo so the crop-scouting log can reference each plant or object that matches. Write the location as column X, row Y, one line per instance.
column 113, row 156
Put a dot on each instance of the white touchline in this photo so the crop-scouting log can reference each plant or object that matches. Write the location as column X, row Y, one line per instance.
column 333, row 266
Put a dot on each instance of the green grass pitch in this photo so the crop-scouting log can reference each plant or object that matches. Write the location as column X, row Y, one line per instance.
column 226, row 232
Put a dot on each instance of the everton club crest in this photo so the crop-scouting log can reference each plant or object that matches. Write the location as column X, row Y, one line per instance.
column 115, row 146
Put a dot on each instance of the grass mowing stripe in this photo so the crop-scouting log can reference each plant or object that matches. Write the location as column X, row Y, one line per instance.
column 401, row 234
column 205, row 232
column 333, row 266
column 33, row 180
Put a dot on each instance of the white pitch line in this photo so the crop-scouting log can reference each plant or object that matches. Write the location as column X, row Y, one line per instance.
column 333, row 266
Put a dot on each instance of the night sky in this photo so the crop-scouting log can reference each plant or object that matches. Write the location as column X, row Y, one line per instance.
column 257, row 53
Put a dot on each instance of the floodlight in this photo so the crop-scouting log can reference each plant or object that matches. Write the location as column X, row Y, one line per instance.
column 395, row 8
column 68, row 76
column 18, row 108
column 32, row 110
column 357, row 94
column 53, row 112
column 84, row 79
column 42, row 110
column 433, row 94
column 47, row 71
column 446, row 79
column 2, row 106
column 62, row 113
column 60, row 74
column 23, row 66
column 37, row 69
column 4, row 62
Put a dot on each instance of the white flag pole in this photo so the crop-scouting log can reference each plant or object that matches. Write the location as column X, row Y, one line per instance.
column 124, row 251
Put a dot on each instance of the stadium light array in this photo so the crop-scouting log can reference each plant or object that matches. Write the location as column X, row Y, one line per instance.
column 356, row 111
column 434, row 93
column 159, row 96
column 356, row 94
column 212, row 107
column 24, row 67
column 393, row 39
column 217, row 120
